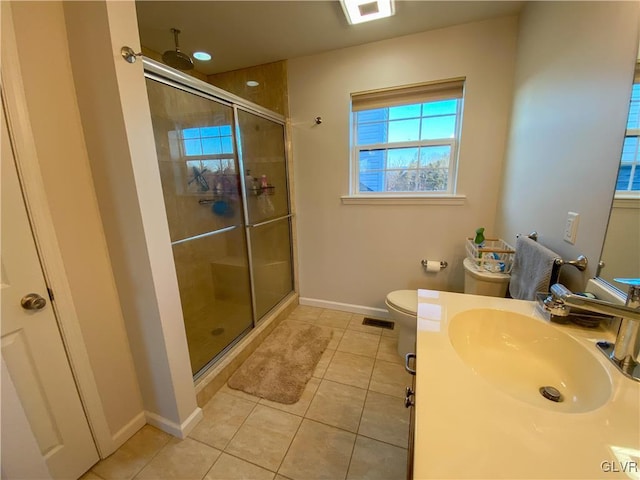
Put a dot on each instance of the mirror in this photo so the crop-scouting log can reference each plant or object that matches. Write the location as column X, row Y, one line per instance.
column 621, row 250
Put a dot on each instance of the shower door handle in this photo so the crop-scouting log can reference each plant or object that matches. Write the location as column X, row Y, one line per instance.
column 203, row 235
column 260, row 224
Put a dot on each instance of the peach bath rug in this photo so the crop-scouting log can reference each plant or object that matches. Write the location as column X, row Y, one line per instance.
column 281, row 366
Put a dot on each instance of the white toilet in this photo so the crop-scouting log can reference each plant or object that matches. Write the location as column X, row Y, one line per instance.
column 403, row 304
column 403, row 308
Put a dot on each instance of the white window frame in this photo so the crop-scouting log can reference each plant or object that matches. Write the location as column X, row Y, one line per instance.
column 635, row 164
column 448, row 197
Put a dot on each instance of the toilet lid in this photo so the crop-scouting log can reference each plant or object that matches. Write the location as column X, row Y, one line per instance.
column 404, row 300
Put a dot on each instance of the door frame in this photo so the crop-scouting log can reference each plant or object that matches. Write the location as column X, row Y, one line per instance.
column 33, row 187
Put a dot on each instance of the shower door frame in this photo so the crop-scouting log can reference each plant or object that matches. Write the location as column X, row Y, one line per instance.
column 245, row 204
column 168, row 76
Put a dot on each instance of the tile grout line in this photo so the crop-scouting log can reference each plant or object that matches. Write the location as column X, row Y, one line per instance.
column 364, row 404
column 250, row 462
column 214, row 462
column 241, row 425
column 303, row 415
column 327, row 368
column 353, row 449
column 382, row 441
column 292, row 439
column 152, row 457
column 314, row 394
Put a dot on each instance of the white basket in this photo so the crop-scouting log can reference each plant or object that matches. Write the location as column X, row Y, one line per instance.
column 495, row 255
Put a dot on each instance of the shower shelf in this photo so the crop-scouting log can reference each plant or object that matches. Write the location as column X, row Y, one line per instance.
column 268, row 190
column 216, row 198
column 254, row 192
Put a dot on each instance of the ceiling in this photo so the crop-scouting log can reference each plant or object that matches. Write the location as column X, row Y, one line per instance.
column 241, row 34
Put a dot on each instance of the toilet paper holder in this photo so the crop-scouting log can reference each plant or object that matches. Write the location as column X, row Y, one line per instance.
column 429, row 265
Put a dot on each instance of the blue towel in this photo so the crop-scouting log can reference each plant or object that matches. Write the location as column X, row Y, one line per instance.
column 532, row 269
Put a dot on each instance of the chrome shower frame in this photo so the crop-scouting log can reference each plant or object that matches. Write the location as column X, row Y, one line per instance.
column 166, row 75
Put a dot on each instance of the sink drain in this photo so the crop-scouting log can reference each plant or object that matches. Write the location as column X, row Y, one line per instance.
column 551, row 393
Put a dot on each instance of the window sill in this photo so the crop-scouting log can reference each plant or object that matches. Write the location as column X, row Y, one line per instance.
column 403, row 200
column 627, row 201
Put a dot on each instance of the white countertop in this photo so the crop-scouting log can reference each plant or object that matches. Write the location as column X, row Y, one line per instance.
column 467, row 428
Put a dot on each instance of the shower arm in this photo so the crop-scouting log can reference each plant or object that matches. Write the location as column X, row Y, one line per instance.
column 176, row 32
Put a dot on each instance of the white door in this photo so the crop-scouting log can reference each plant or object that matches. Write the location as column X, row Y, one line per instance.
column 32, row 347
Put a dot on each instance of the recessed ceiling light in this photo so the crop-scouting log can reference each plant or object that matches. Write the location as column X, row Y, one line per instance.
column 359, row 11
column 252, row 83
column 202, row 56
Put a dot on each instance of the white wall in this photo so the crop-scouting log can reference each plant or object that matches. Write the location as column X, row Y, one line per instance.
column 115, row 113
column 57, row 132
column 92, row 130
column 356, row 254
column 574, row 72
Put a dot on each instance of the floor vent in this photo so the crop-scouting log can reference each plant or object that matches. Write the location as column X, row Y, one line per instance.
column 374, row 322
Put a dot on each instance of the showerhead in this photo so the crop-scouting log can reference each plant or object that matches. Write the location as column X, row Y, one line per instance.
column 175, row 58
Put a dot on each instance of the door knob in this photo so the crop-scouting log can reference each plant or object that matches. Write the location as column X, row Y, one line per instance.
column 33, row 301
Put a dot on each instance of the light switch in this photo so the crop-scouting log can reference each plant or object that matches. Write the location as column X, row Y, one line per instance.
column 571, row 227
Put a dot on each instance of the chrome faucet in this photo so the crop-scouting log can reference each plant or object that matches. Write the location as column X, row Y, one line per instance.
column 625, row 352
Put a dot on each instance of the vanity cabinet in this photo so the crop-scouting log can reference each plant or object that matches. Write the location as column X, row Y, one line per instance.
column 409, row 402
column 473, row 419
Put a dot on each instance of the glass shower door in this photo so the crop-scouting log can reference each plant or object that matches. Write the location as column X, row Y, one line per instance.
column 262, row 151
column 198, row 162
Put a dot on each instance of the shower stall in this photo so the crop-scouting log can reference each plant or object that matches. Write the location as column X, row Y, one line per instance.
column 223, row 167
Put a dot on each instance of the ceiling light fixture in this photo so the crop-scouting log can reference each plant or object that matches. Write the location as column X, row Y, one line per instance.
column 202, row 56
column 252, row 83
column 359, row 11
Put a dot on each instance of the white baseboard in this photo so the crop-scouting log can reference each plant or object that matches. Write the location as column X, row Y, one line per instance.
column 126, row 432
column 345, row 307
column 172, row 428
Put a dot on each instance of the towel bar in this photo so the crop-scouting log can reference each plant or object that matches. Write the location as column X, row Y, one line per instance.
column 580, row 263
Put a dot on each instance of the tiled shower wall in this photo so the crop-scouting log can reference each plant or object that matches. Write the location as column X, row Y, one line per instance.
column 272, row 91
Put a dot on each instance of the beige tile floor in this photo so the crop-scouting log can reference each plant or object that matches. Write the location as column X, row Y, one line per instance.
column 350, row 423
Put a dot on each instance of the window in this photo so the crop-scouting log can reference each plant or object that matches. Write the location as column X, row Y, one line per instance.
column 405, row 140
column 629, row 173
column 207, row 140
column 208, row 155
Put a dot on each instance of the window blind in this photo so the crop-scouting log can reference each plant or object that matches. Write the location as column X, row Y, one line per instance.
column 426, row 92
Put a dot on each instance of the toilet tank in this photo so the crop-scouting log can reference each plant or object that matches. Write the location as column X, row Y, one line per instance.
column 484, row 283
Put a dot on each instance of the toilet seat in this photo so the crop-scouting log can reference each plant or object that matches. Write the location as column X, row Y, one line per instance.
column 405, row 301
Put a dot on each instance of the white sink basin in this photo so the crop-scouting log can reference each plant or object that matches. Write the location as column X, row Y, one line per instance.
column 519, row 354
